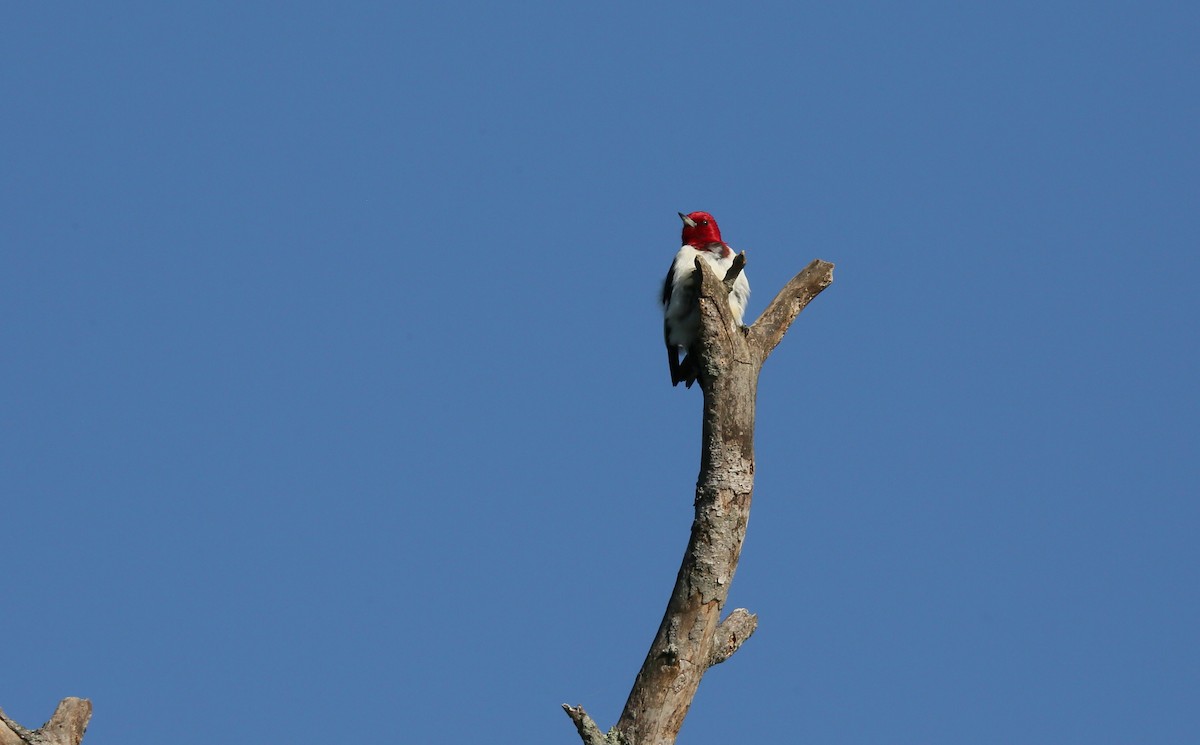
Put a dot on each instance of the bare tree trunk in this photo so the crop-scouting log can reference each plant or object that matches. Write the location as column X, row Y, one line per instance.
column 691, row 637
column 66, row 726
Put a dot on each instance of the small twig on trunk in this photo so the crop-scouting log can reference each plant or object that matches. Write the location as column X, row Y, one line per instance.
column 588, row 730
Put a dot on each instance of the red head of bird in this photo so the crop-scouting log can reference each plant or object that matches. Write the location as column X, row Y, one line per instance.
column 699, row 230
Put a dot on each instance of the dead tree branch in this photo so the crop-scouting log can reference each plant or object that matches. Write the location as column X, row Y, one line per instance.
column 588, row 730
column 65, row 727
column 692, row 637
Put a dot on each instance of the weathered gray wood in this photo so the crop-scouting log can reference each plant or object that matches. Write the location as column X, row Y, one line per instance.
column 65, row 727
column 691, row 637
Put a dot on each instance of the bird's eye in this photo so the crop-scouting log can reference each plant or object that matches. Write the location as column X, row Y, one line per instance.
column 704, row 222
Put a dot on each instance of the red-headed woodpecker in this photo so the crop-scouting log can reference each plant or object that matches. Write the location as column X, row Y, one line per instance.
column 681, row 319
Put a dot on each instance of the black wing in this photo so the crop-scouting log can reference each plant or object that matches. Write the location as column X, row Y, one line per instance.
column 672, row 350
column 672, row 358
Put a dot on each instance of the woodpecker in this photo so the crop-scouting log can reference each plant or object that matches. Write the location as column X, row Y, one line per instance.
column 681, row 318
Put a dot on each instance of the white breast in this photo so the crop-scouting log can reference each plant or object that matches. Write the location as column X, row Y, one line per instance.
column 683, row 322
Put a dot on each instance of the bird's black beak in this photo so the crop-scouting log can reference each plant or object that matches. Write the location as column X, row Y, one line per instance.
column 687, row 220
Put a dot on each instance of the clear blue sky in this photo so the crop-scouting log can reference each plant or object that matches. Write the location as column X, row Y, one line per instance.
column 334, row 400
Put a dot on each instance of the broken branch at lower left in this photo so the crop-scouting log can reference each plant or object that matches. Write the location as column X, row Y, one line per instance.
column 65, row 727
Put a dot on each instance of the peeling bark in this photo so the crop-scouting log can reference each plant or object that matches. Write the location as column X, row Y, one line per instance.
column 692, row 637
